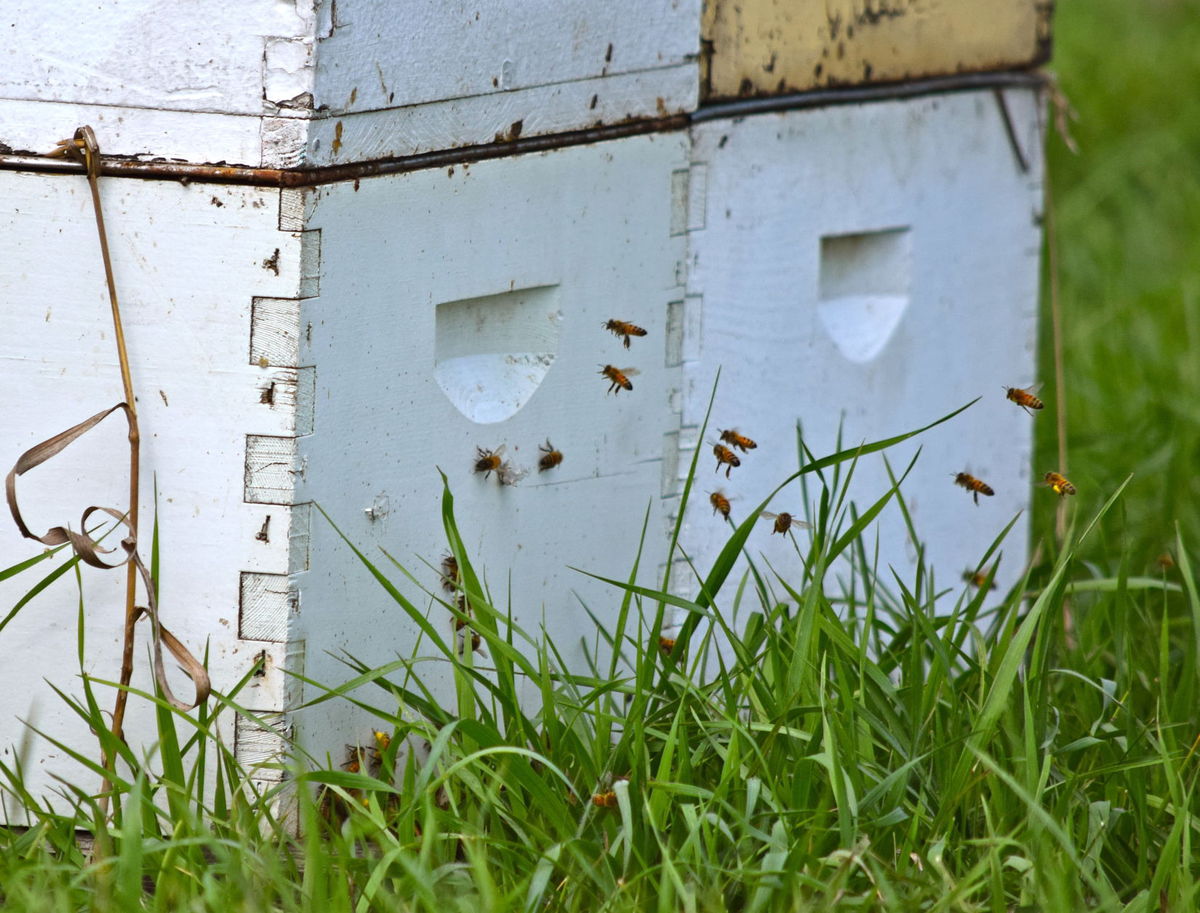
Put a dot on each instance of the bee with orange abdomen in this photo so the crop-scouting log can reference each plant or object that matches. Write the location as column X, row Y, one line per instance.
column 740, row 441
column 1024, row 398
column 550, row 457
column 666, row 644
column 720, row 503
column 1059, row 484
column 975, row 486
column 624, row 330
column 606, row 799
column 784, row 522
column 978, row 578
column 618, row 378
column 488, row 461
column 725, row 457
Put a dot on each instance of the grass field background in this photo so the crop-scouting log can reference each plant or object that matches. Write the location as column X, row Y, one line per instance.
column 1128, row 226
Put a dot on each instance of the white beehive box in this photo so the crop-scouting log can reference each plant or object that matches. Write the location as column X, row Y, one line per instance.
column 196, row 266
column 277, row 84
column 338, row 336
column 872, row 286
column 424, row 333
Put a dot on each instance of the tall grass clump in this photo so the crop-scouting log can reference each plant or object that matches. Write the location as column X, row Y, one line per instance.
column 882, row 745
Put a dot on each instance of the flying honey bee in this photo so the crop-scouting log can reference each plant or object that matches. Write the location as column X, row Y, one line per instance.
column 1059, row 484
column 740, row 441
column 449, row 573
column 550, row 457
column 624, row 330
column 784, row 522
column 488, row 461
column 606, row 799
column 618, row 378
column 666, row 644
column 978, row 578
column 1024, row 398
column 725, row 457
column 975, row 486
column 720, row 503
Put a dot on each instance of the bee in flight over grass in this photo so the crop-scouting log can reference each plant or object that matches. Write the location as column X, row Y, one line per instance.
column 740, row 441
column 618, row 377
column 623, row 330
column 1024, row 398
column 606, row 799
column 978, row 578
column 975, row 486
column 1059, row 484
column 783, row 522
column 725, row 457
column 719, row 502
column 550, row 456
column 666, row 644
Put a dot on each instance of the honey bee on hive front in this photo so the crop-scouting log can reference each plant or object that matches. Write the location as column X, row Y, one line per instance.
column 740, row 441
column 449, row 573
column 624, row 329
column 784, row 522
column 618, row 378
column 725, row 457
column 719, row 502
column 488, row 461
column 1024, row 398
column 1059, row 484
column 550, row 457
column 975, row 486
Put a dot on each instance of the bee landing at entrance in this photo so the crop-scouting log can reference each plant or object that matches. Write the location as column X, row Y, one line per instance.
column 550, row 456
column 488, row 461
column 618, row 378
column 624, row 330
column 975, row 486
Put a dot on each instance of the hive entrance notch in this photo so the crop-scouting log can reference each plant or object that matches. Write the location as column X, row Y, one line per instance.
column 491, row 353
column 864, row 289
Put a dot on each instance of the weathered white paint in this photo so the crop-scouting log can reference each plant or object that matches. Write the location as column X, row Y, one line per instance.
column 280, row 84
column 882, row 332
column 587, row 230
column 189, row 262
column 296, row 346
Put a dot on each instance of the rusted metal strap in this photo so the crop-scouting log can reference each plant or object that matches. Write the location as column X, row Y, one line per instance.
column 329, row 174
